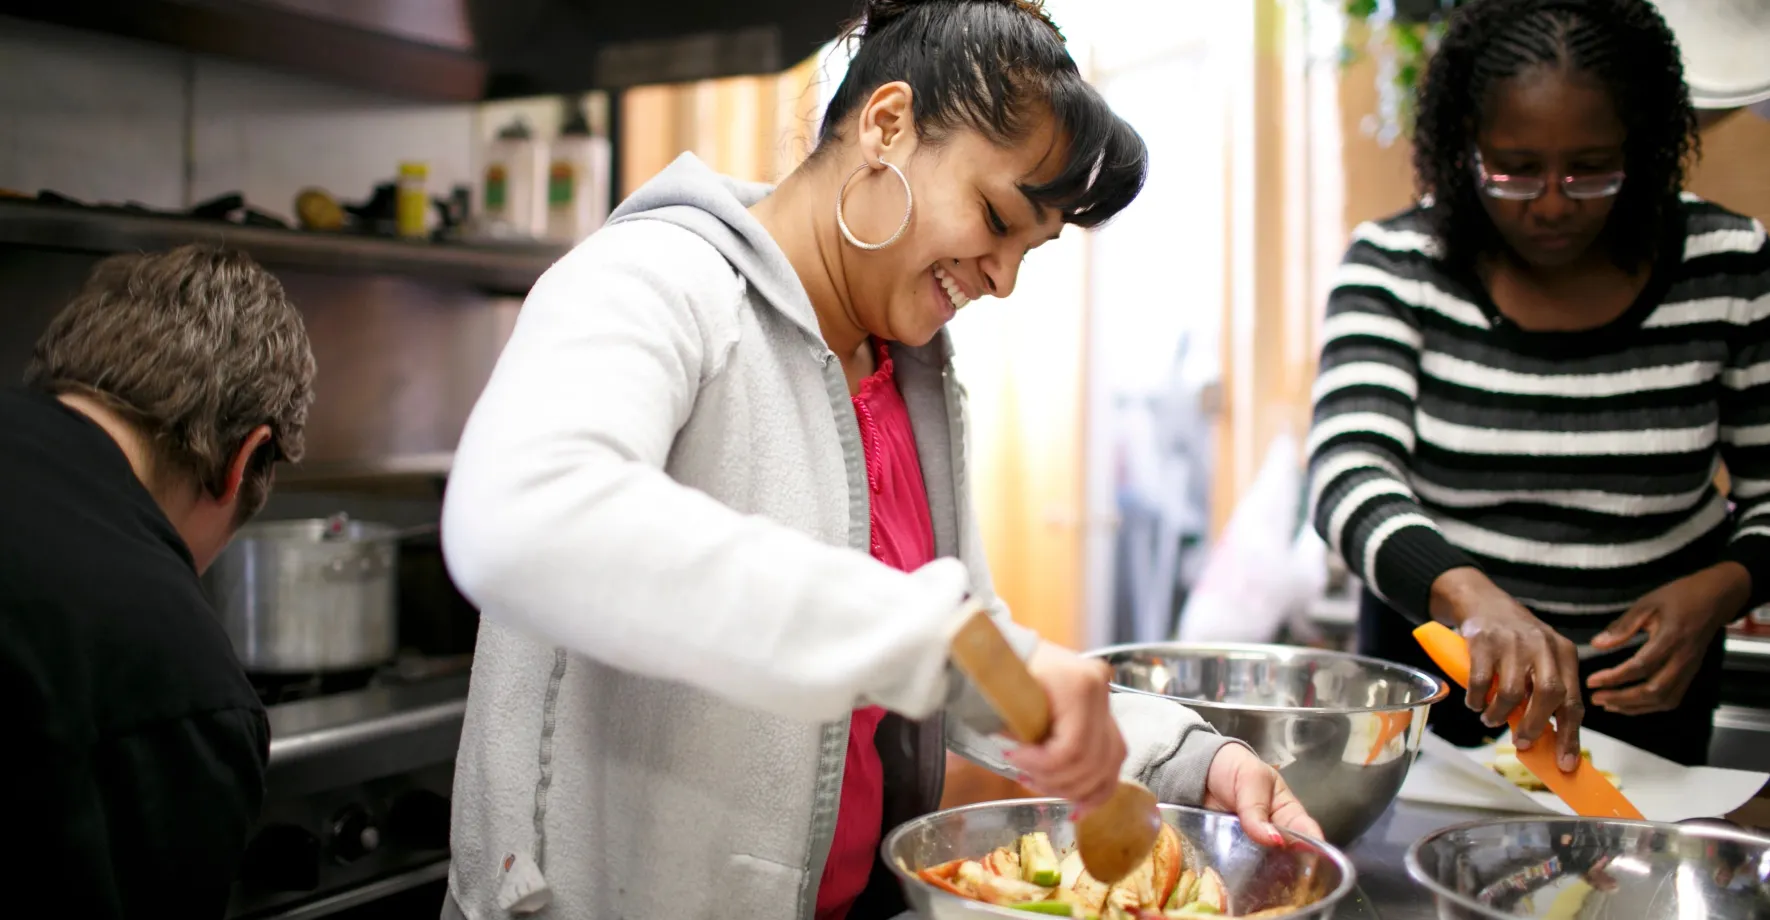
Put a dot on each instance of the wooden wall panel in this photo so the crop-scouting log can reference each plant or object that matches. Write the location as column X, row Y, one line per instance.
column 1735, row 166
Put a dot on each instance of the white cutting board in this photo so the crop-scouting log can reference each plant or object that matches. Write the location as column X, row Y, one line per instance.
column 1664, row 791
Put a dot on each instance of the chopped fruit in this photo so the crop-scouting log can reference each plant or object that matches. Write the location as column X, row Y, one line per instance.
column 1003, row 861
column 1031, row 876
column 1038, row 861
column 1183, row 890
column 1211, row 892
column 985, row 885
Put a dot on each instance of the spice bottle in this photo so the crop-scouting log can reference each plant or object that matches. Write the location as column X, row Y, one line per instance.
column 413, row 200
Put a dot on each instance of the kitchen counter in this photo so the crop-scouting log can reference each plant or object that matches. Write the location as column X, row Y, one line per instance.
column 329, row 741
column 1384, row 889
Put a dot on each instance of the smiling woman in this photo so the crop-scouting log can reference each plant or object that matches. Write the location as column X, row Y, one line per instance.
column 715, row 509
column 979, row 109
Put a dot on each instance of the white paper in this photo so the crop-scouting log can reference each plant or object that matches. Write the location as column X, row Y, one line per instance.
column 1662, row 790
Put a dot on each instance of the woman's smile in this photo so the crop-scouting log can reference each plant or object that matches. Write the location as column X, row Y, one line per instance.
column 949, row 295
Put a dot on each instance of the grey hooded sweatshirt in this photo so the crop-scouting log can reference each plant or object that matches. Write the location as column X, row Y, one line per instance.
column 660, row 506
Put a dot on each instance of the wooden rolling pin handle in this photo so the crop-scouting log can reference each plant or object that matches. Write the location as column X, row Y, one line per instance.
column 983, row 653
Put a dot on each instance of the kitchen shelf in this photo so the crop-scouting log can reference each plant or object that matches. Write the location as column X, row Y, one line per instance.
column 500, row 269
column 413, row 475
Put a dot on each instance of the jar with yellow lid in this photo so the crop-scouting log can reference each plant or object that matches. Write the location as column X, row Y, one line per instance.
column 413, row 199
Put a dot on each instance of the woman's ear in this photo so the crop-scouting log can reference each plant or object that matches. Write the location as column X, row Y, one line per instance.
column 888, row 124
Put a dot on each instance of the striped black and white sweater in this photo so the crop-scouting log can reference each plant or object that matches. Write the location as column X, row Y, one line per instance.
column 1575, row 468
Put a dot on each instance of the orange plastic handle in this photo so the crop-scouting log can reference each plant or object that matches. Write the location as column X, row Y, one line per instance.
column 1451, row 653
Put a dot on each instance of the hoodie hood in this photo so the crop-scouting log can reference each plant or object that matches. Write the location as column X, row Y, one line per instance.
column 715, row 208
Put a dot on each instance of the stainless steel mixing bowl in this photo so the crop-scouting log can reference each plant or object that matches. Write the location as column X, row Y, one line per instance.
column 1342, row 729
column 1307, row 873
column 1593, row 869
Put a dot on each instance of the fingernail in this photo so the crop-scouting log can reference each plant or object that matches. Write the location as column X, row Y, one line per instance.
column 1523, row 744
column 1568, row 763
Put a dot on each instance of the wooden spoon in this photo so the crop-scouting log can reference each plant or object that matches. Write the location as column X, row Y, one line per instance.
column 1115, row 838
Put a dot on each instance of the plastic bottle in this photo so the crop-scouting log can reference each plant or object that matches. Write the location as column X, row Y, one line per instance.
column 412, row 208
column 577, row 179
column 511, row 196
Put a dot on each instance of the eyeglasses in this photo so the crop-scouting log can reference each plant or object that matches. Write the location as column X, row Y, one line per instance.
column 1527, row 188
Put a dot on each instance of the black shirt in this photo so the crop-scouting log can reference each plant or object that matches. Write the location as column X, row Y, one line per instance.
column 135, row 748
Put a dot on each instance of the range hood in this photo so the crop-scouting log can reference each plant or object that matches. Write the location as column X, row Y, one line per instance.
column 471, row 50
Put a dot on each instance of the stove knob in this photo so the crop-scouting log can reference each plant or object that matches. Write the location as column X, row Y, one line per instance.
column 419, row 820
column 354, row 834
column 281, row 858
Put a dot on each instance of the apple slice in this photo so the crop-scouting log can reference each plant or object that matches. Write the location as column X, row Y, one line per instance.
column 1212, row 892
column 1167, row 861
column 1004, row 862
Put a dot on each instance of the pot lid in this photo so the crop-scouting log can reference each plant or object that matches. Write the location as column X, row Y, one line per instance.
column 1724, row 46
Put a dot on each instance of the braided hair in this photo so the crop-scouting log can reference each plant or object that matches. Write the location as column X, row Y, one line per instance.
column 998, row 67
column 1625, row 44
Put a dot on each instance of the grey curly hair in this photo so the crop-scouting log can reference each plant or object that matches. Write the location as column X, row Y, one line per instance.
column 196, row 347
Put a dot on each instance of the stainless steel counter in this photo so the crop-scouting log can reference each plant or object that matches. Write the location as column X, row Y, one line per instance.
column 330, row 741
column 1384, row 889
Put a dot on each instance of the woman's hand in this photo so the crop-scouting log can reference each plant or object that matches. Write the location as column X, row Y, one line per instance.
column 1515, row 657
column 1242, row 783
column 1081, row 758
column 1680, row 620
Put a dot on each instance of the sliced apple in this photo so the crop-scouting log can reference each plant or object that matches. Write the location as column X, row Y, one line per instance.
column 942, row 876
column 1089, row 892
column 1167, row 860
column 1183, row 891
column 1136, row 890
column 1212, row 892
column 997, row 889
column 1038, row 861
column 1003, row 861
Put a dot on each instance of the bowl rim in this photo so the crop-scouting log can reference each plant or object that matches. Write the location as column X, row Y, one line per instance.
column 1438, row 696
column 1348, row 870
column 1421, row 877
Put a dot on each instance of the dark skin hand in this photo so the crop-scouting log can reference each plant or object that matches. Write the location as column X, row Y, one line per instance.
column 1514, row 657
column 1680, row 620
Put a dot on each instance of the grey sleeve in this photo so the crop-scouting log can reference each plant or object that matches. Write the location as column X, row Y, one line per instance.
column 1169, row 748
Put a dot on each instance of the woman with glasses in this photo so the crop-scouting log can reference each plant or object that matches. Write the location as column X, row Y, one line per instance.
column 1529, row 383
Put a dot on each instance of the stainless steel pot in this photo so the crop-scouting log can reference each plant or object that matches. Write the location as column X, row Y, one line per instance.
column 307, row 596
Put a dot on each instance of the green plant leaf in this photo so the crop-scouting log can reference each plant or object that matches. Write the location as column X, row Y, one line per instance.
column 1411, row 42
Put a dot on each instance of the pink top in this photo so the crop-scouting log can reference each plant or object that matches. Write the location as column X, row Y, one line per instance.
column 903, row 537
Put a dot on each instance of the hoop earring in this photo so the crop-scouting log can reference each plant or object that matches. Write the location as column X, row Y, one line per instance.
column 909, row 207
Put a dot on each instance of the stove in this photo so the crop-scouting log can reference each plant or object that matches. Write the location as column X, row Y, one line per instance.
column 357, row 792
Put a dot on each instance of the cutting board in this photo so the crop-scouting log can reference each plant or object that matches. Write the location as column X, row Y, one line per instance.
column 1662, row 790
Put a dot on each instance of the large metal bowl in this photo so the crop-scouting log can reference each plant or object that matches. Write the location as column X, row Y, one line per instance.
column 1593, row 869
column 1342, row 729
column 1306, row 873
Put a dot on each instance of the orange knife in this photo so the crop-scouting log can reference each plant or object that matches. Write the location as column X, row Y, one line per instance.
column 1585, row 789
